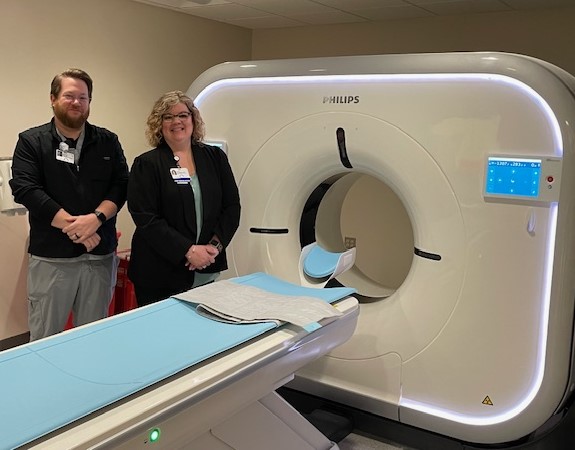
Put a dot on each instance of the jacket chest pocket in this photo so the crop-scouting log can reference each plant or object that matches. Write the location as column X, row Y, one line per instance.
column 100, row 171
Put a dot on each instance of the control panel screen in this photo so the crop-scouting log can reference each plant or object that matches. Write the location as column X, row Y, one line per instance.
column 518, row 177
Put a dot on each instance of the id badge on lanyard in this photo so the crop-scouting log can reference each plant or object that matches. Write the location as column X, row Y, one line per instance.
column 180, row 175
column 64, row 154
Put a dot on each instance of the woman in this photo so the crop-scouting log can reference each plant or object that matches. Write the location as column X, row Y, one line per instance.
column 184, row 200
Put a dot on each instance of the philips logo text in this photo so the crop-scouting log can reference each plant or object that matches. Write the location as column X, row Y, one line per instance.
column 341, row 99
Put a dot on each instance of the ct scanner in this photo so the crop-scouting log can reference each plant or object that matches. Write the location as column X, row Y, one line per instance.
column 453, row 176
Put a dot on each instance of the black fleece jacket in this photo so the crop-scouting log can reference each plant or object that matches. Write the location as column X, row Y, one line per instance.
column 43, row 184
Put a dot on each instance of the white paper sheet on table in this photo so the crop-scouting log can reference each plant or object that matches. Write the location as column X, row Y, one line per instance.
column 248, row 304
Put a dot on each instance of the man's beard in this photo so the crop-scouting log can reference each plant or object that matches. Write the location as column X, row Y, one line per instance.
column 71, row 122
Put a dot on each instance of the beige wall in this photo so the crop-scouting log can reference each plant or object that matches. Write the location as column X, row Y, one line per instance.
column 134, row 53
column 546, row 34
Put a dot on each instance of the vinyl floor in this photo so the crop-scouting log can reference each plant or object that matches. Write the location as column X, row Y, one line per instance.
column 355, row 441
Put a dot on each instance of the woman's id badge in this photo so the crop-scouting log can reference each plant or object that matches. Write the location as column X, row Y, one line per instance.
column 180, row 175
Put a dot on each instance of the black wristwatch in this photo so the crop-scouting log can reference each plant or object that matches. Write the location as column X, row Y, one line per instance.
column 101, row 216
column 217, row 244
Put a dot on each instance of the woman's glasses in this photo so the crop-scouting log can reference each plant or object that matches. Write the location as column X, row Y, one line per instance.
column 171, row 117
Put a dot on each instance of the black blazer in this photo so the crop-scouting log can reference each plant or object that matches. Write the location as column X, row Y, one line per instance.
column 165, row 216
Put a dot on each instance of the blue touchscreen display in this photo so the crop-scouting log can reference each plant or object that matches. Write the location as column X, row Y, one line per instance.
column 513, row 176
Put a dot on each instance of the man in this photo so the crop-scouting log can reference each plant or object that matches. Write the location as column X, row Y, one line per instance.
column 72, row 176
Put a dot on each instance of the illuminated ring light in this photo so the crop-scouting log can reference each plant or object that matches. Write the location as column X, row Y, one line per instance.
column 548, row 266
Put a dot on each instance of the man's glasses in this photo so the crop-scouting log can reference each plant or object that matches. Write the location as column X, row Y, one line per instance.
column 72, row 98
column 171, row 117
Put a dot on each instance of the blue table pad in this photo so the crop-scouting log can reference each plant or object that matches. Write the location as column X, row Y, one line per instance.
column 53, row 382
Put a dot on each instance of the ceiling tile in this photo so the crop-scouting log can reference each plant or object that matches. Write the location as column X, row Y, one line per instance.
column 531, row 4
column 197, row 3
column 283, row 7
column 392, row 13
column 347, row 5
column 289, row 13
column 328, row 18
column 462, row 7
column 266, row 22
column 225, row 12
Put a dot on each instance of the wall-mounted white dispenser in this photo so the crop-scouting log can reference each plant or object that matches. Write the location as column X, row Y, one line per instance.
column 7, row 204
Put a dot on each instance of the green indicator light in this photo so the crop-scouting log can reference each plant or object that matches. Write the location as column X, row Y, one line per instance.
column 154, row 435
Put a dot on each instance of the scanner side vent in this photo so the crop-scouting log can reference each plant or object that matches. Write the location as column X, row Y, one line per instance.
column 427, row 255
column 340, row 136
column 269, row 230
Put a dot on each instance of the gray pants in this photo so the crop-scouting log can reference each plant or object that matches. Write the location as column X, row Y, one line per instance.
column 81, row 285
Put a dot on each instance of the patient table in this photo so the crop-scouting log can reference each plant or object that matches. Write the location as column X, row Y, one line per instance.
column 164, row 376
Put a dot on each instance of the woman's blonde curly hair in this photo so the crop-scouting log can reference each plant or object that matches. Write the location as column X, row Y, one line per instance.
column 162, row 106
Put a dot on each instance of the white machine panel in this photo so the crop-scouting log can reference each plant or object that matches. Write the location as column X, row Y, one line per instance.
column 466, row 321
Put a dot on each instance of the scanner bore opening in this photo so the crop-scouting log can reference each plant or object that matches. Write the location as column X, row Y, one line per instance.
column 359, row 210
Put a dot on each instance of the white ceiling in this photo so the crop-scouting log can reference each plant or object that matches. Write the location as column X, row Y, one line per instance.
column 292, row 13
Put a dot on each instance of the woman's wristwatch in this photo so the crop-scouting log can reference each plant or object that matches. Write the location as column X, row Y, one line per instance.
column 217, row 244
